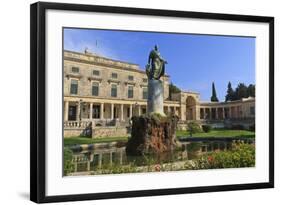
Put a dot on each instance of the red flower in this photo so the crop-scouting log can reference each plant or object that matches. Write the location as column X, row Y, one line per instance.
column 210, row 158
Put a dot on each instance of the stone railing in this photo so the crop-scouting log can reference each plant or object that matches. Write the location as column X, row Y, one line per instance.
column 94, row 123
column 109, row 122
column 77, row 124
column 100, row 128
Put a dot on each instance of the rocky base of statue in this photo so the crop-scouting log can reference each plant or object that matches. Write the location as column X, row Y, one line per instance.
column 152, row 133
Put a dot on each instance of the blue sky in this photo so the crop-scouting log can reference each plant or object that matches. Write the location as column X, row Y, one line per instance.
column 194, row 61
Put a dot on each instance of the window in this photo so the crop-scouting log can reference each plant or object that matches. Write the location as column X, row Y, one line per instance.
column 74, row 87
column 75, row 70
column 96, row 72
column 130, row 77
column 130, row 91
column 144, row 93
column 113, row 90
column 95, row 89
column 144, row 80
column 72, row 113
column 252, row 110
column 114, row 75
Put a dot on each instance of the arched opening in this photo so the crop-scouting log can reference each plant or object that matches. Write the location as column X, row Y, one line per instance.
column 190, row 108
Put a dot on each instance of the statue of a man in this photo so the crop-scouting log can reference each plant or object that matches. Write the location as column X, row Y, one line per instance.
column 156, row 64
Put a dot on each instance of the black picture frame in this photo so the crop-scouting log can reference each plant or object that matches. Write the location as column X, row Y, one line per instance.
column 38, row 101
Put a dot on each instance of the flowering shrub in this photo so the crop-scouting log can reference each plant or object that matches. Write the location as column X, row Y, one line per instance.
column 241, row 155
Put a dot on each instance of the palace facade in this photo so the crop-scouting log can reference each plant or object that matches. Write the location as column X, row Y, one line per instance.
column 99, row 89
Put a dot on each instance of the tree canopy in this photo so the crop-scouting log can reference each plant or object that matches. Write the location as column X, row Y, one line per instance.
column 173, row 89
column 241, row 91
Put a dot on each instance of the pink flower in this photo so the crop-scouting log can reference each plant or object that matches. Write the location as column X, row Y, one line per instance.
column 157, row 167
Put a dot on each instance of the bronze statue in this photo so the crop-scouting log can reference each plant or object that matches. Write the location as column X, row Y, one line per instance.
column 155, row 68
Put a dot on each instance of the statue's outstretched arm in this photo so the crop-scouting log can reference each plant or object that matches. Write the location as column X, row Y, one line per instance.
column 163, row 60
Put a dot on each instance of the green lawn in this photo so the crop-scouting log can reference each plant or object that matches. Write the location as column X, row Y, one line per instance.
column 218, row 133
column 87, row 140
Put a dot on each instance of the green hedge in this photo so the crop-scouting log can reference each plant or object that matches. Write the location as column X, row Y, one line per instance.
column 206, row 128
column 193, row 127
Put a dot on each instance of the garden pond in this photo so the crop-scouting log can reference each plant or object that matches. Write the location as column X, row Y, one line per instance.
column 111, row 156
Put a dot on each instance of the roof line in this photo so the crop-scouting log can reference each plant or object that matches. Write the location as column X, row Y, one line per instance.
column 92, row 54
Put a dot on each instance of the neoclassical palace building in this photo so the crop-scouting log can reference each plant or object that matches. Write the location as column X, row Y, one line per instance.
column 100, row 89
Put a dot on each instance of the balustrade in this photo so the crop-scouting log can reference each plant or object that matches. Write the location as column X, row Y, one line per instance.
column 76, row 124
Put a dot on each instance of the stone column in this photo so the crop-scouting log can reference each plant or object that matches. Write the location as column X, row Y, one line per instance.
column 78, row 111
column 175, row 110
column 100, row 160
column 205, row 111
column 112, row 111
column 110, row 158
column 168, row 109
column 155, row 101
column 121, row 112
column 121, row 157
column 197, row 112
column 101, row 110
column 139, row 110
column 66, row 107
column 91, row 111
column 183, row 112
column 131, row 110
column 223, row 113
column 217, row 114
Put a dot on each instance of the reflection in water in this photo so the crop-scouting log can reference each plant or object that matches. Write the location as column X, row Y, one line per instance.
column 104, row 158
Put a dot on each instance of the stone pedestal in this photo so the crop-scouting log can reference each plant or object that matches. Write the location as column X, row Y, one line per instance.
column 152, row 133
column 155, row 97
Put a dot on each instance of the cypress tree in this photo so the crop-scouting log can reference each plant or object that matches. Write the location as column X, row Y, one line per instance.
column 214, row 94
column 230, row 96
